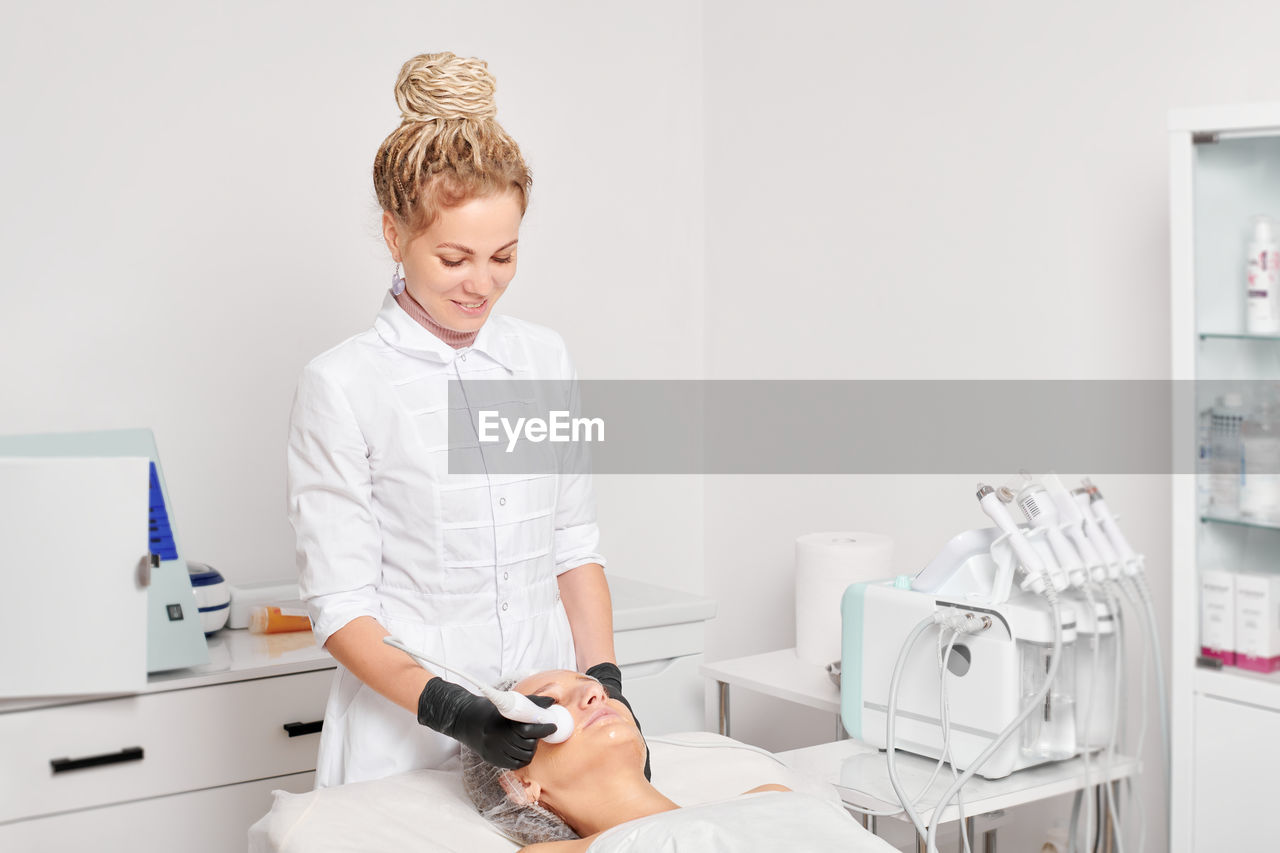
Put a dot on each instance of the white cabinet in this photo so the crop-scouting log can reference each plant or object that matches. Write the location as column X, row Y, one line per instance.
column 154, row 744
column 659, row 636
column 214, row 820
column 1225, row 723
column 188, row 764
column 1234, row 797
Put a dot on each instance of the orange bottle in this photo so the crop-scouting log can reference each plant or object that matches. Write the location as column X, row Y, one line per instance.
column 278, row 620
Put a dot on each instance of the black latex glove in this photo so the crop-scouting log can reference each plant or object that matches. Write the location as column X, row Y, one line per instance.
column 455, row 711
column 610, row 677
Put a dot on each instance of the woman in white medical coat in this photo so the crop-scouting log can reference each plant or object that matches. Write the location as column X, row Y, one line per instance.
column 498, row 577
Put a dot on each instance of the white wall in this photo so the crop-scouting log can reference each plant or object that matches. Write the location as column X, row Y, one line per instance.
column 188, row 218
column 926, row 190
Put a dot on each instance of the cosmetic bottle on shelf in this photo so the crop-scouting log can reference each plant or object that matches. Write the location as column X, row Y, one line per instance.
column 1262, row 302
column 1224, row 479
column 1204, row 459
column 1260, row 463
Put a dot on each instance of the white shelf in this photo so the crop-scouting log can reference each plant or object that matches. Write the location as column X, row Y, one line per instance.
column 1238, row 336
column 860, row 773
column 779, row 674
column 1240, row 685
column 1240, row 522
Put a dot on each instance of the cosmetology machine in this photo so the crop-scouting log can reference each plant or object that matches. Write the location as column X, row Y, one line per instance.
column 75, row 505
column 1004, row 652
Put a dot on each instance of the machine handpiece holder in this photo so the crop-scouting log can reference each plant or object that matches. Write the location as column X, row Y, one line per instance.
column 1013, row 538
column 1131, row 561
column 1038, row 507
column 1111, row 560
column 1073, row 526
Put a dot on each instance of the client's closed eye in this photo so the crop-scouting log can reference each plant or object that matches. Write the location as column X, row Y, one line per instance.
column 551, row 689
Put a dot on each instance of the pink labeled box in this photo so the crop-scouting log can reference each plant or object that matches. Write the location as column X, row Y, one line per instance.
column 1218, row 615
column 1258, row 622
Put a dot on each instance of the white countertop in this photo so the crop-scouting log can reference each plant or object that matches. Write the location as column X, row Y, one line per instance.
column 779, row 674
column 233, row 656
column 237, row 654
column 642, row 605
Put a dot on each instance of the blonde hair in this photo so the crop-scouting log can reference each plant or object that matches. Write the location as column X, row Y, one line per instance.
column 449, row 148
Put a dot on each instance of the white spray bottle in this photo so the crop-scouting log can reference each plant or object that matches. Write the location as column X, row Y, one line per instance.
column 1262, row 311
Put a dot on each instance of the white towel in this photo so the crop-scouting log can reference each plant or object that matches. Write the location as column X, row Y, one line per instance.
column 764, row 822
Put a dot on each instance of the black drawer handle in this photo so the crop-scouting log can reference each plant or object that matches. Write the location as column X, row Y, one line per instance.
column 299, row 729
column 62, row 765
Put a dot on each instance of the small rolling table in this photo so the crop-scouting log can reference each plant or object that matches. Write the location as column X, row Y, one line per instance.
column 859, row 771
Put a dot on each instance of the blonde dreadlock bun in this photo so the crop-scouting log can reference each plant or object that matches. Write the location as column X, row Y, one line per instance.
column 449, row 147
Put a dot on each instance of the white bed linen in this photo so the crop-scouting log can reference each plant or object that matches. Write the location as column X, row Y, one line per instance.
column 764, row 822
column 427, row 810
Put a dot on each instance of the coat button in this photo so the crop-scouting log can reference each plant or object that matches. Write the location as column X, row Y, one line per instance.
column 502, row 501
column 506, row 576
column 504, row 605
column 464, row 356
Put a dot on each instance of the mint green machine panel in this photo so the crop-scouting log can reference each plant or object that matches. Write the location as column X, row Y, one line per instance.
column 175, row 635
column 852, row 612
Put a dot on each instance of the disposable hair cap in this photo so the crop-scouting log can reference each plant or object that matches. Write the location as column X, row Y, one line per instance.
column 500, row 797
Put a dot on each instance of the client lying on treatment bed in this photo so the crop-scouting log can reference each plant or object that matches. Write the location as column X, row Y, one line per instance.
column 590, row 793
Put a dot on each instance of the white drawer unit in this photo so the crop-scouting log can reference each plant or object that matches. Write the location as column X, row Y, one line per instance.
column 189, row 764
column 212, row 820
column 135, row 747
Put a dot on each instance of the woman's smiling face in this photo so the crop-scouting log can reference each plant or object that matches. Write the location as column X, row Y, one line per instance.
column 462, row 263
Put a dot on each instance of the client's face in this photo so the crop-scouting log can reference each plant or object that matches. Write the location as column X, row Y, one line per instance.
column 605, row 738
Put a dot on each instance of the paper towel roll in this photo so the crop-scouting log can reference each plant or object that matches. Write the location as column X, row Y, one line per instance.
column 826, row 564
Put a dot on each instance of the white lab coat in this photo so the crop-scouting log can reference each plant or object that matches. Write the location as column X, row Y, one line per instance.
column 463, row 567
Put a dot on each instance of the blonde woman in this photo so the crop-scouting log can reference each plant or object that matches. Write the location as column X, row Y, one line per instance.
column 485, row 574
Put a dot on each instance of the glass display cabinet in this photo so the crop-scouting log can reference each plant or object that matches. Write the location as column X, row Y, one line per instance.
column 1225, row 711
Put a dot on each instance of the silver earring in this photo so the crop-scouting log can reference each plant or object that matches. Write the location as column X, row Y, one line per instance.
column 397, row 281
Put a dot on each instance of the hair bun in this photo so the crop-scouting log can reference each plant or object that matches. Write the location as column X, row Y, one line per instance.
column 444, row 86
